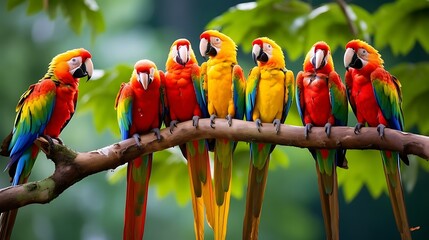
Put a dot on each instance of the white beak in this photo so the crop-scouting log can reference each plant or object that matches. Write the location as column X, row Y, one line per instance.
column 183, row 54
column 319, row 56
column 348, row 56
column 89, row 67
column 203, row 46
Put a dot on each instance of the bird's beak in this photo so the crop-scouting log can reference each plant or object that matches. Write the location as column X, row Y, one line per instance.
column 256, row 52
column 183, row 55
column 349, row 55
column 319, row 58
column 204, row 45
column 85, row 70
column 145, row 78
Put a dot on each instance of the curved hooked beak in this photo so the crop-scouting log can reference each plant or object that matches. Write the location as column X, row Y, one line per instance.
column 319, row 59
column 145, row 78
column 256, row 52
column 182, row 55
column 351, row 59
column 86, row 69
column 204, row 45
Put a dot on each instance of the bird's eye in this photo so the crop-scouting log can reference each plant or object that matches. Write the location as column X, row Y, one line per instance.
column 362, row 52
column 217, row 39
column 268, row 46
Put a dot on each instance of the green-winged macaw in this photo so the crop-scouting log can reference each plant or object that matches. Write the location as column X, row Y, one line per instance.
column 43, row 111
column 223, row 90
column 376, row 99
column 322, row 102
column 269, row 95
column 182, row 72
column 139, row 110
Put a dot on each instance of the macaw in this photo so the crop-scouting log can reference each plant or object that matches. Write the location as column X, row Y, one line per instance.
column 376, row 99
column 269, row 95
column 182, row 72
column 223, row 90
column 139, row 111
column 43, row 111
column 322, row 101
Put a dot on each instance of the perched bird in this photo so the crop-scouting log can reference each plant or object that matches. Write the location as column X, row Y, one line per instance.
column 223, row 90
column 139, row 111
column 269, row 95
column 43, row 111
column 182, row 71
column 322, row 101
column 376, row 99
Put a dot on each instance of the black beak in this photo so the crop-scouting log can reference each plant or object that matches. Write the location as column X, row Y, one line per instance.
column 81, row 72
column 263, row 57
column 355, row 63
column 211, row 51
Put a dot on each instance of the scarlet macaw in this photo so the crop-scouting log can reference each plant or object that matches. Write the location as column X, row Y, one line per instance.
column 322, row 101
column 376, row 99
column 139, row 111
column 43, row 111
column 182, row 71
column 269, row 95
column 223, row 90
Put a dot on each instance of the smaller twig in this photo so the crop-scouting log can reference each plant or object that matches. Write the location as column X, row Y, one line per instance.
column 348, row 13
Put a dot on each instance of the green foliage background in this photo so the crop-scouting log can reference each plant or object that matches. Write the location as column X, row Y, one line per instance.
column 119, row 33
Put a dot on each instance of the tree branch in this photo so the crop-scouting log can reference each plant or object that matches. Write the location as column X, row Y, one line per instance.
column 348, row 13
column 71, row 167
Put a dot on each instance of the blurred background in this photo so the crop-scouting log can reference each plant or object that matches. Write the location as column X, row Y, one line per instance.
column 122, row 32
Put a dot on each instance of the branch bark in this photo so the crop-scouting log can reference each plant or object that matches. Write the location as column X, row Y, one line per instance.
column 349, row 17
column 71, row 166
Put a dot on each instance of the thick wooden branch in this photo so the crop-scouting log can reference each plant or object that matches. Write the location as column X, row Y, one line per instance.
column 71, row 167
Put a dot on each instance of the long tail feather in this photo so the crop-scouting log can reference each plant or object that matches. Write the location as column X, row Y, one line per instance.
column 197, row 202
column 206, row 179
column 255, row 195
column 328, row 190
column 394, row 185
column 222, row 181
column 7, row 220
column 138, row 175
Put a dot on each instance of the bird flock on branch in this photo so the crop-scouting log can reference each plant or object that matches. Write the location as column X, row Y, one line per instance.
column 219, row 89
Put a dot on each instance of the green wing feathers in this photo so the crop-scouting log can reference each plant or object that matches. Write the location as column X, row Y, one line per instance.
column 252, row 91
column 238, row 91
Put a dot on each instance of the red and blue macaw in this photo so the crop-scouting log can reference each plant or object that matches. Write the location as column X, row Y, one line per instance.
column 269, row 96
column 222, row 92
column 182, row 72
column 139, row 110
column 376, row 99
column 322, row 101
column 43, row 111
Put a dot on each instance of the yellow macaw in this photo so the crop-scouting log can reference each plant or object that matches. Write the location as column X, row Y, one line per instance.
column 269, row 95
column 223, row 88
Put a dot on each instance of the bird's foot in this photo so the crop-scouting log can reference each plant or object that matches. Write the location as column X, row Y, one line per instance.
column 358, row 127
column 157, row 133
column 328, row 127
column 51, row 144
column 277, row 124
column 229, row 118
column 212, row 120
column 258, row 124
column 136, row 137
column 173, row 124
column 307, row 129
column 380, row 130
column 195, row 120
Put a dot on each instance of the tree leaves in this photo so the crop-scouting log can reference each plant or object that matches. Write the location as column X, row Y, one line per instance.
column 293, row 24
column 75, row 12
column 401, row 24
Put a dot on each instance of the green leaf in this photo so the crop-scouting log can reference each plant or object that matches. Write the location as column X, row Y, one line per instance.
column 394, row 19
column 98, row 97
column 415, row 92
column 34, row 6
column 365, row 169
column 11, row 4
